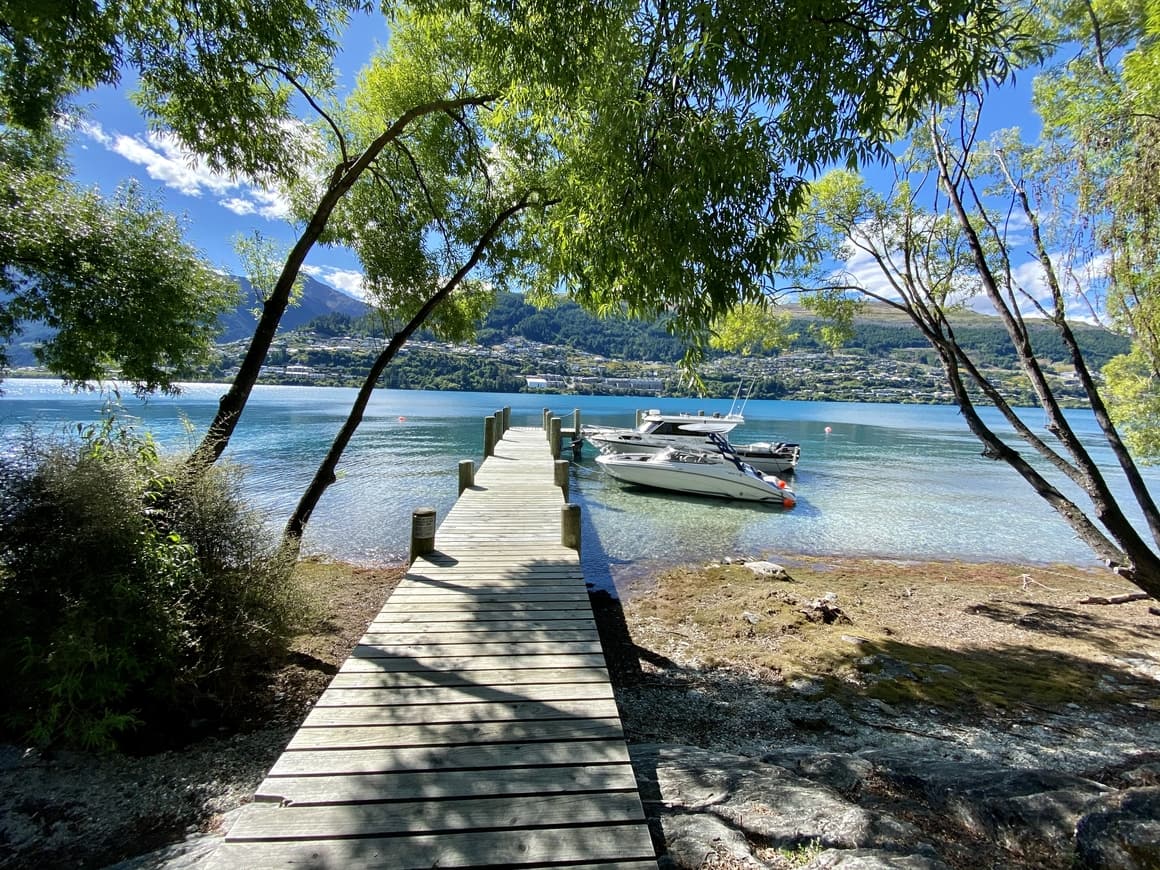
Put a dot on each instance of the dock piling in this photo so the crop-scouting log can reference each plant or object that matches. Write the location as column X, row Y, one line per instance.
column 422, row 532
column 488, row 436
column 466, row 474
column 554, row 436
column 562, row 466
column 570, row 526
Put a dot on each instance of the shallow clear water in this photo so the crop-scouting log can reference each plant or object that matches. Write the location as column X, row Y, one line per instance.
column 898, row 481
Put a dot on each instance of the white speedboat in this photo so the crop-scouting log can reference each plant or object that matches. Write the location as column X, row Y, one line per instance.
column 721, row 473
column 658, row 432
column 779, row 457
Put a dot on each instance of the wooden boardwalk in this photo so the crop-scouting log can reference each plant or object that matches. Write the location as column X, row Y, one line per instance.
column 474, row 724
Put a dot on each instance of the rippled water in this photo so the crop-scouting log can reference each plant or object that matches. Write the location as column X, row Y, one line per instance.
column 899, row 481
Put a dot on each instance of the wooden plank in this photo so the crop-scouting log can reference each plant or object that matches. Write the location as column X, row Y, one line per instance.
column 494, row 573
column 478, row 556
column 447, row 734
column 406, row 785
column 369, row 659
column 485, row 609
column 629, row 842
column 482, row 711
column 367, row 674
column 315, row 763
column 473, row 584
column 462, row 695
column 426, row 625
column 454, row 650
column 480, row 637
column 352, row 675
column 269, row 822
column 466, row 594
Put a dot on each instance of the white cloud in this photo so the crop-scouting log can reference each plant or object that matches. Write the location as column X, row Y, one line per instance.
column 238, row 205
column 267, row 204
column 164, row 159
column 93, row 130
column 348, row 281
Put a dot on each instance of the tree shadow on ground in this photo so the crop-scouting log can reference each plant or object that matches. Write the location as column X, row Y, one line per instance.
column 1000, row 710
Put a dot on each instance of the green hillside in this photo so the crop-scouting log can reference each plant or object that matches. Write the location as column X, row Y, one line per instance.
column 879, row 332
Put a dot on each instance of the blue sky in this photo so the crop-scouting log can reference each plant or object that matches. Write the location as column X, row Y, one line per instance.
column 113, row 145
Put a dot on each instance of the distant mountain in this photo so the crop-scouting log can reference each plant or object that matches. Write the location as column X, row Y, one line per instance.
column 317, row 300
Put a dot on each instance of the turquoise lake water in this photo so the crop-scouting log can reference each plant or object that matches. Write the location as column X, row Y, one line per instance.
column 895, row 481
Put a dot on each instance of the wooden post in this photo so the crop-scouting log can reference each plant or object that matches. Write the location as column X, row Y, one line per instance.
column 488, row 436
column 570, row 526
column 497, row 427
column 507, row 417
column 466, row 474
column 547, row 414
column 422, row 531
column 639, row 416
column 554, row 437
column 562, row 466
column 576, row 421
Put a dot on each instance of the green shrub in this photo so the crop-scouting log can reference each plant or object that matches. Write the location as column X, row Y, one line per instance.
column 133, row 590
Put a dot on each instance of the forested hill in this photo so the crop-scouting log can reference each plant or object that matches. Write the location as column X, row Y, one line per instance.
column 317, row 300
column 880, row 332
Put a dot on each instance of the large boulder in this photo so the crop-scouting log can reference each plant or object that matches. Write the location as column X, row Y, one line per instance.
column 1000, row 803
column 872, row 859
column 1121, row 831
column 697, row 794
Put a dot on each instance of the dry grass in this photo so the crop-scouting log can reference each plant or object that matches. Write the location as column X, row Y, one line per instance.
column 944, row 634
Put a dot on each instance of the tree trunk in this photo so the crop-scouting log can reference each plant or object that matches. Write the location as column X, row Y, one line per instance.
column 326, row 473
column 231, row 405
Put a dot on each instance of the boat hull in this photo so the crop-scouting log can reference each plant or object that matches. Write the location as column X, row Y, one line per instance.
column 632, row 442
column 770, row 458
column 711, row 478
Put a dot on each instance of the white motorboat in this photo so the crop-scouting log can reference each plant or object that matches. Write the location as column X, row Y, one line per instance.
column 722, row 473
column 658, row 432
column 779, row 457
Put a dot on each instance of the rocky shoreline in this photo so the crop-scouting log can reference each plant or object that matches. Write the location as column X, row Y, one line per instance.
column 761, row 743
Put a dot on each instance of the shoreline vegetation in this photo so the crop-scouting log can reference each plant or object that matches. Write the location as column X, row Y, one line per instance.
column 863, row 684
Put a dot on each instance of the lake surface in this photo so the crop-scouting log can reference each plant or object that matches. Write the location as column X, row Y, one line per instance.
column 896, row 481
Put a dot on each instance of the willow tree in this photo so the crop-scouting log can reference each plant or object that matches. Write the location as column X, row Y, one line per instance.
column 1097, row 161
column 643, row 159
column 942, row 237
column 437, row 222
column 112, row 276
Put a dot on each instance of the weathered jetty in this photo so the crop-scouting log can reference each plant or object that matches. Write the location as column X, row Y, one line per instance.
column 474, row 724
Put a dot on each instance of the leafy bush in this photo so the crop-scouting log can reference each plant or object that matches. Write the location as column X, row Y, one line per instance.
column 133, row 590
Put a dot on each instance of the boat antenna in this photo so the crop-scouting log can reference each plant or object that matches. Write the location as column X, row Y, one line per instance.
column 743, row 393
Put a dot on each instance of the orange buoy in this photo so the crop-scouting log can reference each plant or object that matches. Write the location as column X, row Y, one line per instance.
column 788, row 501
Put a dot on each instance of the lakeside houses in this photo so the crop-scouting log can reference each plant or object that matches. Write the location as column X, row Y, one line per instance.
column 645, row 386
column 302, row 357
